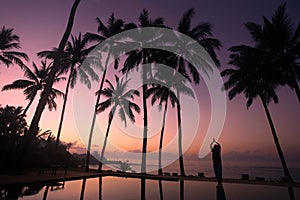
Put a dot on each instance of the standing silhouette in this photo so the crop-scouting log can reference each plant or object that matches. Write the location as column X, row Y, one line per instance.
column 217, row 164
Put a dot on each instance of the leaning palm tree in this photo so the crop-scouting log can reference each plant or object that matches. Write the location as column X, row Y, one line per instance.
column 35, row 82
column 280, row 40
column 251, row 77
column 114, row 26
column 134, row 59
column 202, row 34
column 117, row 99
column 9, row 42
column 55, row 69
column 34, row 125
column 76, row 52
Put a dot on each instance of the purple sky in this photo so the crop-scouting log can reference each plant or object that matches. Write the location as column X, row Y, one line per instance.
column 40, row 25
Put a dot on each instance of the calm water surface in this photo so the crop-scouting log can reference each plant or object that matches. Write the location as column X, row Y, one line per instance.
column 126, row 188
column 129, row 189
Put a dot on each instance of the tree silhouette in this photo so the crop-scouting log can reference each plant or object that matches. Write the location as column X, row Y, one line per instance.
column 9, row 42
column 280, row 42
column 134, row 59
column 35, row 82
column 117, row 99
column 33, row 129
column 114, row 26
column 76, row 52
column 12, row 121
column 202, row 34
column 12, row 127
column 248, row 77
column 162, row 94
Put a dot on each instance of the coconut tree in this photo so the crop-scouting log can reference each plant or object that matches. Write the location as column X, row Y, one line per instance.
column 33, row 129
column 114, row 26
column 202, row 34
column 8, row 43
column 134, row 59
column 162, row 94
column 251, row 77
column 118, row 99
column 76, row 52
column 280, row 40
column 35, row 82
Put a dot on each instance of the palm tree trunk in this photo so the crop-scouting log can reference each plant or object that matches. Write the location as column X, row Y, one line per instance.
column 161, row 194
column 181, row 189
column 46, row 192
column 27, row 107
column 34, row 126
column 145, row 131
column 143, row 188
column 100, row 188
column 279, row 150
column 88, row 154
column 182, row 173
column 64, row 105
column 275, row 138
column 105, row 140
column 295, row 85
column 161, row 139
column 82, row 189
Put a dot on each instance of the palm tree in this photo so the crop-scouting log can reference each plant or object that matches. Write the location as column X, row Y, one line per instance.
column 202, row 34
column 280, row 40
column 117, row 98
column 133, row 60
column 250, row 78
column 36, row 80
column 34, row 126
column 114, row 26
column 164, row 95
column 76, row 52
column 8, row 42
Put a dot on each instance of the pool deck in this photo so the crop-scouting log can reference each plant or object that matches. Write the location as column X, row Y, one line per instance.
column 49, row 178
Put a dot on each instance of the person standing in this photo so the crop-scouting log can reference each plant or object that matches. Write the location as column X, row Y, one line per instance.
column 217, row 165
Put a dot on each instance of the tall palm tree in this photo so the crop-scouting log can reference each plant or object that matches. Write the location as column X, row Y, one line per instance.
column 202, row 34
column 249, row 77
column 76, row 52
column 8, row 42
column 280, row 40
column 34, row 125
column 114, row 26
column 117, row 99
column 133, row 60
column 35, row 82
column 162, row 94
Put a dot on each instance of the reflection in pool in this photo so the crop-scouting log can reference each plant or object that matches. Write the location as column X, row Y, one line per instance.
column 108, row 188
